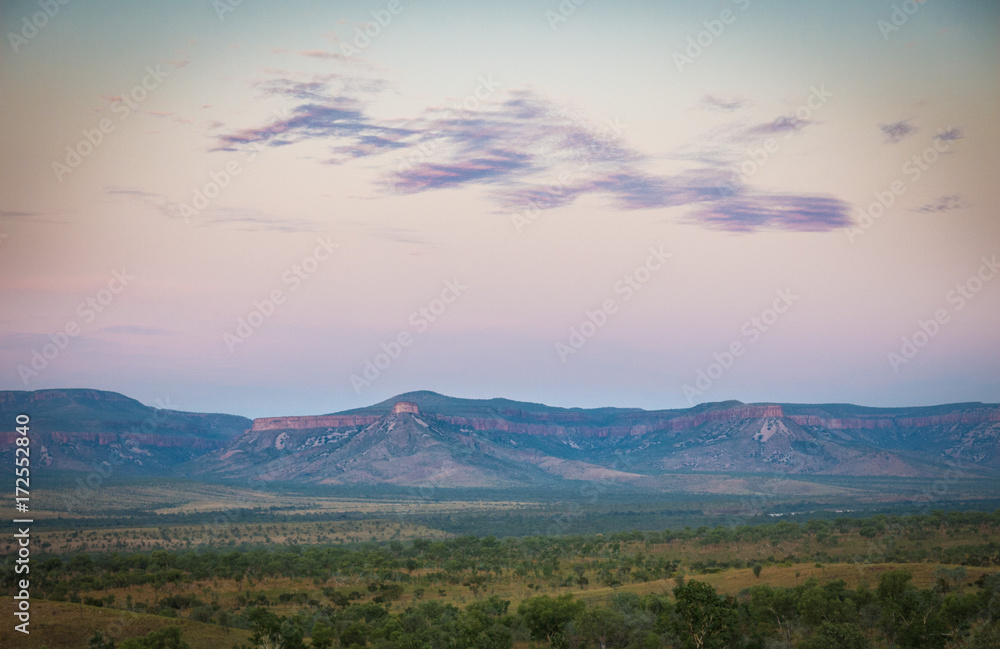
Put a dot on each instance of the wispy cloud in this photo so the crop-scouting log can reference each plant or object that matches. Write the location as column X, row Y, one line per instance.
column 950, row 135
column 783, row 125
column 16, row 215
column 750, row 212
column 727, row 104
column 529, row 153
column 135, row 330
column 252, row 219
column 944, row 204
column 323, row 54
column 36, row 217
column 236, row 217
column 897, row 131
column 334, row 108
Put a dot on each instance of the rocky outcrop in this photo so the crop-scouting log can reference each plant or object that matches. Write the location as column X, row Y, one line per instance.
column 875, row 422
column 318, row 421
column 520, row 422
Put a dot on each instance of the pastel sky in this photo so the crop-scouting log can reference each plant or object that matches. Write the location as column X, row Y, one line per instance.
column 259, row 208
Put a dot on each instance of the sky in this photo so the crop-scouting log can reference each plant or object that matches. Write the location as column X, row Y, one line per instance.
column 270, row 209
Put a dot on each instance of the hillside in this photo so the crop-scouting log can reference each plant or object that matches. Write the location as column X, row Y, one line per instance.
column 498, row 442
column 444, row 441
column 87, row 430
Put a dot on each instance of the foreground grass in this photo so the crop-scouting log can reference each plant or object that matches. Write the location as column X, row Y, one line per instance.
column 62, row 624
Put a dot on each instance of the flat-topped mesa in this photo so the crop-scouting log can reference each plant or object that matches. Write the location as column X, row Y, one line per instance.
column 405, row 406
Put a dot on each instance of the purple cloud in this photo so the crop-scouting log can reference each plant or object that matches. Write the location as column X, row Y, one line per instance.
column 496, row 164
column 950, row 135
column 897, row 131
column 750, row 212
column 727, row 104
column 782, row 125
column 530, row 155
column 945, row 204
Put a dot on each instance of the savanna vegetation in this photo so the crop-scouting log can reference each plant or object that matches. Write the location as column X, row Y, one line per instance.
column 884, row 581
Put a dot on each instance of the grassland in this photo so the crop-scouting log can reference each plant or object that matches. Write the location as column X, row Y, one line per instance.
column 63, row 624
column 217, row 553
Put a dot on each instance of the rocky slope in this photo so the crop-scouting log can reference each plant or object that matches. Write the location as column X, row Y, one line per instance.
column 423, row 438
column 497, row 442
column 87, row 430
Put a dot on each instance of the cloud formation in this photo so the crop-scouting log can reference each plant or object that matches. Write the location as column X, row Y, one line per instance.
column 783, row 125
column 950, row 135
column 727, row 104
column 945, row 204
column 754, row 211
column 897, row 131
column 529, row 155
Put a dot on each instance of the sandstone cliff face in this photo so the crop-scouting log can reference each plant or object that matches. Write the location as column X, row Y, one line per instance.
column 623, row 445
column 319, row 421
column 580, row 424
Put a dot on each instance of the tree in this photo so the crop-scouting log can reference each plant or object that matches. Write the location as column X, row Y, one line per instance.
column 486, row 624
column 269, row 630
column 986, row 637
column 910, row 617
column 705, row 620
column 756, row 569
column 837, row 636
column 98, row 641
column 603, row 628
column 322, row 636
column 950, row 578
column 547, row 618
column 165, row 638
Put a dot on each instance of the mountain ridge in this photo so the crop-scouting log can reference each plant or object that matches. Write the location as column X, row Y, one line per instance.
column 499, row 442
column 730, row 436
column 80, row 429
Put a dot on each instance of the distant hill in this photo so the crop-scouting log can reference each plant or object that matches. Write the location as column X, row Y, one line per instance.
column 436, row 440
column 78, row 430
column 499, row 443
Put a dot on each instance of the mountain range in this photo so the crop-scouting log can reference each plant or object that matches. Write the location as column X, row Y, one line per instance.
column 424, row 438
